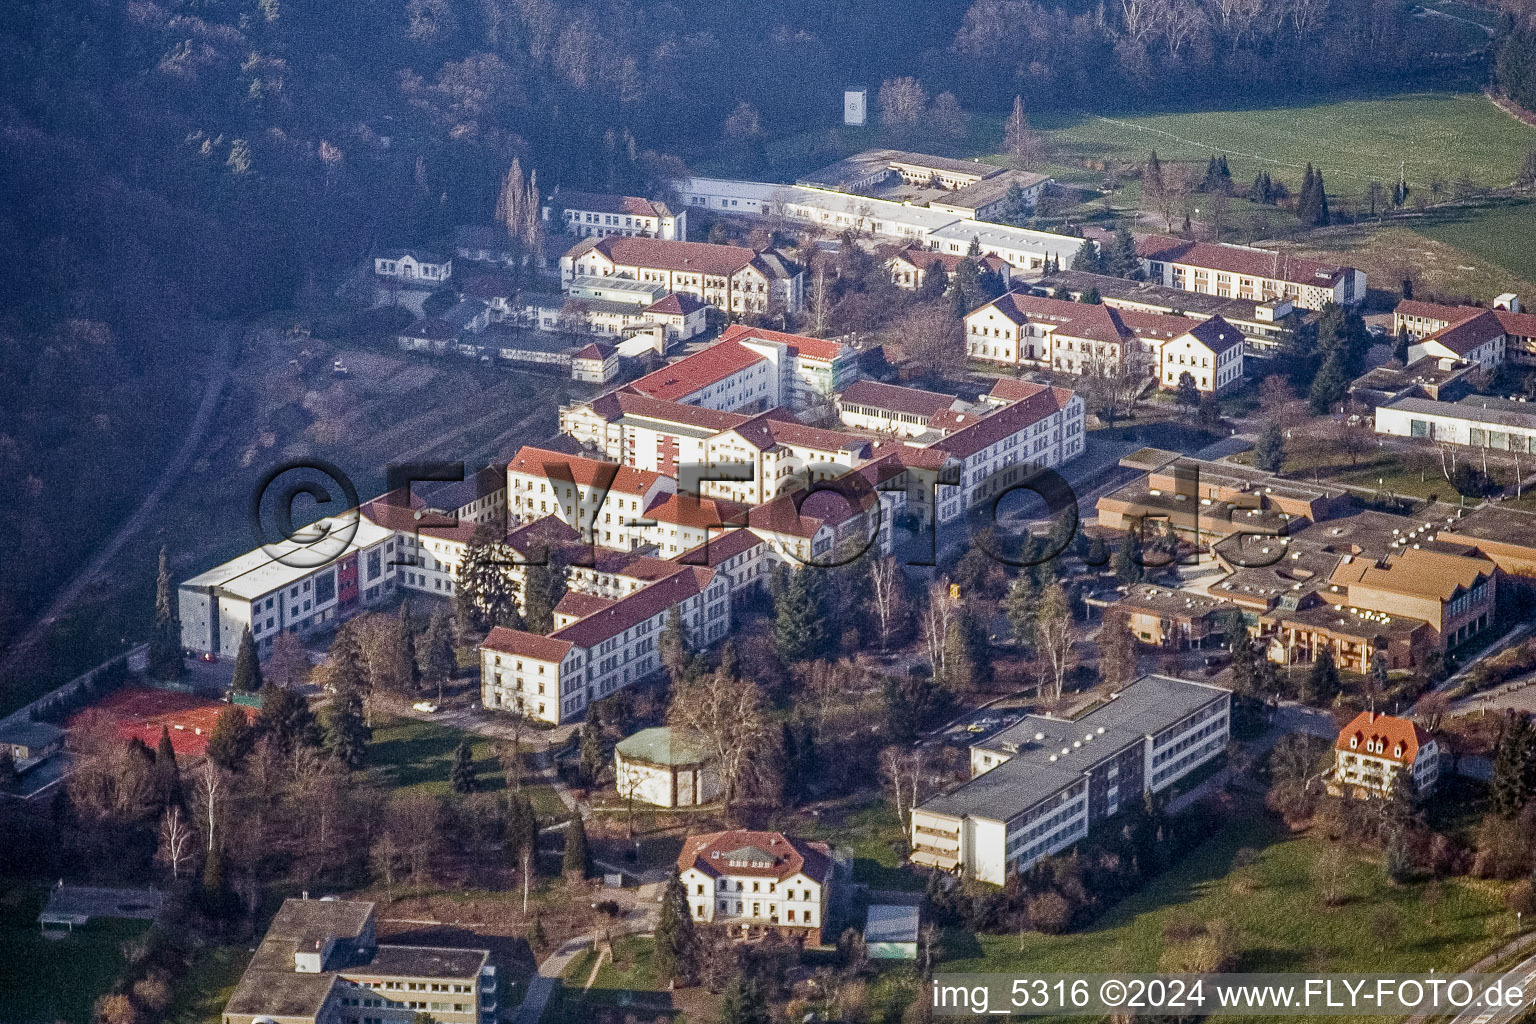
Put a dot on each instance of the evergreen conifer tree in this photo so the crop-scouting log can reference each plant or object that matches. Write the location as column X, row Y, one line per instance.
column 464, row 777
column 577, row 862
column 247, row 678
column 165, row 659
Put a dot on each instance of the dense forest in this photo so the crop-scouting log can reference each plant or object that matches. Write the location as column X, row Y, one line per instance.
column 174, row 161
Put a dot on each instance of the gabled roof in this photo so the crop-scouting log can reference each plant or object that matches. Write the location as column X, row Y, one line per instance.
column 395, row 510
column 911, row 401
column 1434, row 574
column 968, row 440
column 663, row 254
column 1216, row 334
column 1240, row 259
column 607, row 202
column 718, row 549
column 584, row 472
column 696, row 372
column 776, row 427
column 523, row 644
column 1466, row 336
column 701, row 513
column 676, row 304
column 595, row 350
column 1006, row 304
column 764, row 854
column 925, row 259
column 800, row 345
column 1435, row 310
column 622, row 402
column 645, row 603
column 1400, row 738
column 579, row 605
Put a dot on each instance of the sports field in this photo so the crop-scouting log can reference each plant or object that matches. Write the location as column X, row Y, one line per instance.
column 1444, row 135
column 140, row 713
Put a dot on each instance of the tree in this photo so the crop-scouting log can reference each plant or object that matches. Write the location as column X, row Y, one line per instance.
column 346, row 733
column 435, row 657
column 948, row 118
column 1127, row 559
column 903, row 102
column 730, row 717
column 577, row 860
column 9, row 778
column 1188, row 394
column 1513, row 757
column 1400, row 345
column 464, row 776
column 887, row 592
column 231, row 738
column 176, row 841
column 676, row 943
column 214, row 897
column 1119, row 658
column 800, row 619
column 1087, row 260
column 932, row 334
column 591, row 751
column 165, row 657
column 247, row 665
column 1329, row 386
column 1056, row 635
column 1323, row 679
column 168, row 791
column 672, row 646
column 543, row 586
column 287, row 721
column 909, row 703
column 486, row 593
column 289, row 663
column 743, row 1003
column 1269, row 451
column 1020, row 142
column 1091, row 297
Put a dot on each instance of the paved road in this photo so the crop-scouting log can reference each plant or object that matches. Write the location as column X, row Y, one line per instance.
column 542, row 985
column 1523, row 976
column 218, row 375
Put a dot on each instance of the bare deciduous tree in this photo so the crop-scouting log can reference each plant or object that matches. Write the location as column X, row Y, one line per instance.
column 904, row 769
column 730, row 716
column 1056, row 636
column 887, row 588
column 936, row 621
column 176, row 839
column 1020, row 141
column 903, row 102
column 931, row 337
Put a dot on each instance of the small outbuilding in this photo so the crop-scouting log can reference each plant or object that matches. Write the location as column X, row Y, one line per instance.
column 30, row 742
column 666, row 768
column 890, row 931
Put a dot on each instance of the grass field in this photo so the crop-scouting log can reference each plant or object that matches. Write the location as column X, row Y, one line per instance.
column 1502, row 232
column 208, row 984
column 1449, row 135
column 1273, row 905
column 407, row 753
column 55, row 979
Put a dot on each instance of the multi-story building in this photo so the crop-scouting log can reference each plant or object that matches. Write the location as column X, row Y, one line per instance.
column 911, row 266
column 1164, row 617
column 1042, row 784
column 728, row 376
column 1040, row 427
column 1245, row 272
column 771, row 453
column 1374, row 749
column 757, row 882
column 554, row 678
column 325, row 572
column 321, row 963
column 600, row 214
column 1483, row 336
column 732, row 278
column 645, row 432
column 1092, row 339
column 595, row 363
column 598, row 499
column 813, row 369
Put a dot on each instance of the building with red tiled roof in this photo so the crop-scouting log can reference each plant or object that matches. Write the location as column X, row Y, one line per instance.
column 1246, row 272
column 601, row 214
column 595, row 363
column 1374, row 749
column 910, row 267
column 680, row 522
column 1469, row 334
column 597, row 498
column 757, row 882
column 887, row 408
column 732, row 278
column 727, row 376
column 555, row 678
column 813, row 369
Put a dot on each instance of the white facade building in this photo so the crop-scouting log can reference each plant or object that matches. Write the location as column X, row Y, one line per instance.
column 599, row 215
column 755, row 882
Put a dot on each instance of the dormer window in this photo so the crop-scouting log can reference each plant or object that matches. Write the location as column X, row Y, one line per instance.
column 1354, row 742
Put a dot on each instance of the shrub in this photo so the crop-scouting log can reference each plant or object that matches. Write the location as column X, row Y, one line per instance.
column 1050, row 913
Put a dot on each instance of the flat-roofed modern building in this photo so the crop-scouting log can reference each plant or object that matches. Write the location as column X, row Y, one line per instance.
column 1041, row 785
column 321, row 963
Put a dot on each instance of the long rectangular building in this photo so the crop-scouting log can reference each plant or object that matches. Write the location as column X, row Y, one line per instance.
column 1041, row 785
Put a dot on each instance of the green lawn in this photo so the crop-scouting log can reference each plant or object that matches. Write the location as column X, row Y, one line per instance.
column 407, row 753
column 1272, row 903
column 1438, row 134
column 207, row 985
column 55, row 979
column 1503, row 232
column 875, row 838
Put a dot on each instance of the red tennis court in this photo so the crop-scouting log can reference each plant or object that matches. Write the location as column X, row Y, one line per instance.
column 141, row 712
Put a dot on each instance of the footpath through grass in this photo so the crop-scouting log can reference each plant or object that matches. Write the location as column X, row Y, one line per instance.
column 55, row 979
column 1441, row 925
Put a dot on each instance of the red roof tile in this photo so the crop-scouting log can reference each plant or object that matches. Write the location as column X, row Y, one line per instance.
column 523, row 644
column 696, row 372
column 1467, row 335
column 702, row 513
column 581, row 605
column 676, row 304
column 595, row 350
column 773, row 855
column 912, row 401
column 584, row 472
column 1400, row 738
column 802, row 345
column 661, row 254
column 634, row 609
column 1239, row 259
column 605, row 202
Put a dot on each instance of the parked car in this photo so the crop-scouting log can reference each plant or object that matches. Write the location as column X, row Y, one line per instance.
column 425, row 706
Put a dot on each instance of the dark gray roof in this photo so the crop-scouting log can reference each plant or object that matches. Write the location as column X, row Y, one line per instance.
column 1046, row 754
column 661, row 746
column 1476, row 408
column 31, row 734
column 886, row 923
column 422, row 962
